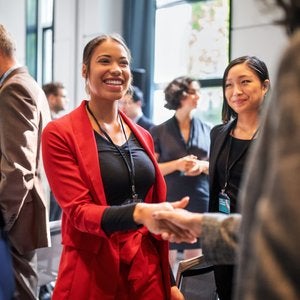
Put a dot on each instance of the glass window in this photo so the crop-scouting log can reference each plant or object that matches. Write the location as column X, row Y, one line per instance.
column 31, row 36
column 191, row 38
column 47, row 55
column 39, row 39
column 210, row 105
column 47, row 13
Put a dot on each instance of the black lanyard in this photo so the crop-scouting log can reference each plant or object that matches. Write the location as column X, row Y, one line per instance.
column 131, row 169
column 229, row 167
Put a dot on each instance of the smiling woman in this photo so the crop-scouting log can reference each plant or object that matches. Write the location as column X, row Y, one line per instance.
column 102, row 171
column 245, row 84
column 106, row 58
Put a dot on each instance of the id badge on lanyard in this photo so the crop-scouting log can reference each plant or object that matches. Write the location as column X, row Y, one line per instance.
column 224, row 203
column 224, row 199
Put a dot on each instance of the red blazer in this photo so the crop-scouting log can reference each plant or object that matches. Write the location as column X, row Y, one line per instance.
column 72, row 167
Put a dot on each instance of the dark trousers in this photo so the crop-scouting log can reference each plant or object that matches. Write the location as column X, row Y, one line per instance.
column 7, row 284
column 25, row 273
column 55, row 210
column 224, row 281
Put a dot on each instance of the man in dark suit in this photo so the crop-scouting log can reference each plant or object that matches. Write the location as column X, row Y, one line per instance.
column 24, row 113
column 132, row 104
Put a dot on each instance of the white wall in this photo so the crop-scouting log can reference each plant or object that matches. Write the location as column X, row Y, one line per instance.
column 253, row 33
column 65, row 46
column 76, row 22
column 12, row 16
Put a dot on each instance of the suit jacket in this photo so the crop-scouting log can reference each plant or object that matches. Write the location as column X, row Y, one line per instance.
column 145, row 122
column 269, row 264
column 220, row 238
column 24, row 113
column 218, row 138
column 69, row 145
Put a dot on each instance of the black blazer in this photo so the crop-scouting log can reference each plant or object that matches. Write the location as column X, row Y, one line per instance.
column 218, row 137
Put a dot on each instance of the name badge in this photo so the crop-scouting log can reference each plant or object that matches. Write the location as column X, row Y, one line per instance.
column 224, row 203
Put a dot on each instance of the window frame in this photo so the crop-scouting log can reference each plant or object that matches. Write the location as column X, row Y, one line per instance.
column 36, row 35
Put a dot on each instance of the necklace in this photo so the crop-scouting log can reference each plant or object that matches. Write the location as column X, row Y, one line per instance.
column 244, row 134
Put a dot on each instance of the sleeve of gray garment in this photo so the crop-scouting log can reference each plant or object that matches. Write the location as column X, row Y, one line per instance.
column 220, row 237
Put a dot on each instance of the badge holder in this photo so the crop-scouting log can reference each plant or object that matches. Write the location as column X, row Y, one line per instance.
column 224, row 203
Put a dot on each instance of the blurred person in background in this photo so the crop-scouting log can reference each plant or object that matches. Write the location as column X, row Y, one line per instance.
column 182, row 149
column 56, row 94
column 23, row 115
column 132, row 104
column 269, row 265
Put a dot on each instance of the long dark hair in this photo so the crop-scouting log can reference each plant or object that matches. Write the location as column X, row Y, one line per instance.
column 257, row 66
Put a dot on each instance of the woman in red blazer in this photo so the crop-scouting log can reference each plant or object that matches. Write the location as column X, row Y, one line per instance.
column 102, row 171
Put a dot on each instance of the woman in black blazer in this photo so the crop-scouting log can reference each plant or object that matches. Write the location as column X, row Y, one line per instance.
column 245, row 84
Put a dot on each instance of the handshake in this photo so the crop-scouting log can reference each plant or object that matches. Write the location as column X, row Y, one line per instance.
column 170, row 220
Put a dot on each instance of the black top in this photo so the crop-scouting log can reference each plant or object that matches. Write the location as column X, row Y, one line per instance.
column 116, row 181
column 170, row 145
column 220, row 141
column 237, row 150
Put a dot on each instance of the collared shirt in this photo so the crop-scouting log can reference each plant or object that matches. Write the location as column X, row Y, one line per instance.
column 4, row 75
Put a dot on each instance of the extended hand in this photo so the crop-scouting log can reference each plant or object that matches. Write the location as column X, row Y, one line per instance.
column 188, row 222
column 143, row 214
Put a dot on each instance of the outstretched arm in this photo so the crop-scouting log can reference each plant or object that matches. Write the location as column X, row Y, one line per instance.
column 219, row 232
column 183, row 219
column 143, row 214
